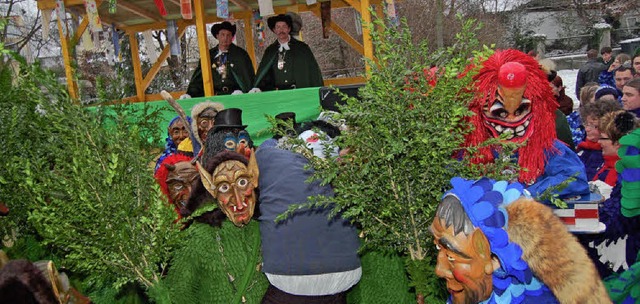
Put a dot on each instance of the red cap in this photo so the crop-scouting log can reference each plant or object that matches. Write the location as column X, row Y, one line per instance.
column 512, row 75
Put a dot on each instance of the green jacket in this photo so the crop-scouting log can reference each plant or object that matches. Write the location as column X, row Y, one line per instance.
column 300, row 68
column 240, row 74
column 215, row 265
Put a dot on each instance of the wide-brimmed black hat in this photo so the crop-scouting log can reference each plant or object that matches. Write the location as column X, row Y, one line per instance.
column 229, row 118
column 271, row 22
column 226, row 25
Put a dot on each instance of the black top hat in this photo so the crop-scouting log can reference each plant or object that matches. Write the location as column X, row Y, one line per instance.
column 226, row 25
column 271, row 22
column 229, row 118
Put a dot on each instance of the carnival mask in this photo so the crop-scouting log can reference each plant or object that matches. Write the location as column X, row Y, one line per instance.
column 205, row 122
column 238, row 143
column 233, row 185
column 510, row 113
column 179, row 180
column 464, row 258
column 178, row 132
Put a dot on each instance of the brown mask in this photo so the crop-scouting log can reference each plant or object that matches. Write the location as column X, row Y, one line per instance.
column 205, row 122
column 233, row 185
column 178, row 132
column 179, row 180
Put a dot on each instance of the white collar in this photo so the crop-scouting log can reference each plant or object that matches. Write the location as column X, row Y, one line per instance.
column 284, row 46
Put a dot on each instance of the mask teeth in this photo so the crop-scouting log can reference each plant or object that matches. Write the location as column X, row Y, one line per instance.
column 234, row 209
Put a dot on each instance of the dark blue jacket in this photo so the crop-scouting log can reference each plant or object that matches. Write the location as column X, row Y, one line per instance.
column 308, row 242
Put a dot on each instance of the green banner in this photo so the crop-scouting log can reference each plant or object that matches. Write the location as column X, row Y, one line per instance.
column 304, row 102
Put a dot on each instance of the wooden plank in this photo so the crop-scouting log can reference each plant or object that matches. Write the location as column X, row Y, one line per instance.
column 356, row 4
column 51, row 4
column 344, row 81
column 241, row 4
column 81, row 28
column 366, row 33
column 161, row 58
column 355, row 44
column 203, row 45
column 248, row 37
column 137, row 68
column 139, row 11
column 69, row 71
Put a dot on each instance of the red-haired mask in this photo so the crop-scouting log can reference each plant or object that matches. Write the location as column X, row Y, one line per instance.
column 513, row 98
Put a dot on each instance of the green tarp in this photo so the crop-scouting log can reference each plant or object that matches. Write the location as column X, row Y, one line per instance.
column 304, row 102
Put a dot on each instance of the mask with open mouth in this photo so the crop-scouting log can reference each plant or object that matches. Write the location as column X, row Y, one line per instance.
column 233, row 184
column 513, row 101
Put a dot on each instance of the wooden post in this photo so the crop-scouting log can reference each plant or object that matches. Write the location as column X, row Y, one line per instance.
column 248, row 37
column 366, row 33
column 69, row 71
column 203, row 45
column 137, row 67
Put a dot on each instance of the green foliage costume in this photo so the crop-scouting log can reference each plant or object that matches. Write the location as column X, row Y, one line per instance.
column 240, row 73
column 215, row 265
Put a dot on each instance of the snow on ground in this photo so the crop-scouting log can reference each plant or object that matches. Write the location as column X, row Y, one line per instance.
column 569, row 81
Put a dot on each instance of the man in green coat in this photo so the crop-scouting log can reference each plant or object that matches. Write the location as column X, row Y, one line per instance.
column 287, row 63
column 231, row 66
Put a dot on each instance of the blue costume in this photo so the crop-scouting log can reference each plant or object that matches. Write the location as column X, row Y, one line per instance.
column 484, row 202
column 559, row 167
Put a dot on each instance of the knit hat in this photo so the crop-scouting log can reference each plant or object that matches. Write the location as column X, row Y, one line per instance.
column 606, row 89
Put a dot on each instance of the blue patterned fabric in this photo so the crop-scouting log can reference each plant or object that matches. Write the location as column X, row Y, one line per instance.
column 484, row 202
column 578, row 132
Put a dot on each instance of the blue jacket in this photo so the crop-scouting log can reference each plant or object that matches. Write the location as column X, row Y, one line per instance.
column 308, row 242
column 560, row 167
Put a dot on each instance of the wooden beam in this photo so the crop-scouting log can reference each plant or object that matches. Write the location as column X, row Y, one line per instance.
column 356, row 4
column 81, row 28
column 203, row 45
column 158, row 64
column 139, row 11
column 137, row 67
column 344, row 81
column 366, row 33
column 248, row 37
column 51, row 4
column 69, row 71
column 244, row 5
column 355, row 44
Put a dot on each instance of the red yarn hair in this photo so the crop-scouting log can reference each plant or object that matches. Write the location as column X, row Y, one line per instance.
column 543, row 104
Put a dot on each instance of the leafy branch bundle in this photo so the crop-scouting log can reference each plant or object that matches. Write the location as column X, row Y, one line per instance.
column 80, row 180
column 404, row 135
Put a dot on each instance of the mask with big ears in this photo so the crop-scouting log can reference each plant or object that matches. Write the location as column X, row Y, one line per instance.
column 233, row 185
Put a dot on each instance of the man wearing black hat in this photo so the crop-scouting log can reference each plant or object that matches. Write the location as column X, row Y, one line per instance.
column 287, row 63
column 231, row 66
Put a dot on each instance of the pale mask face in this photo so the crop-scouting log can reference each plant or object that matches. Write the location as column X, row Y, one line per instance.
column 233, row 185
